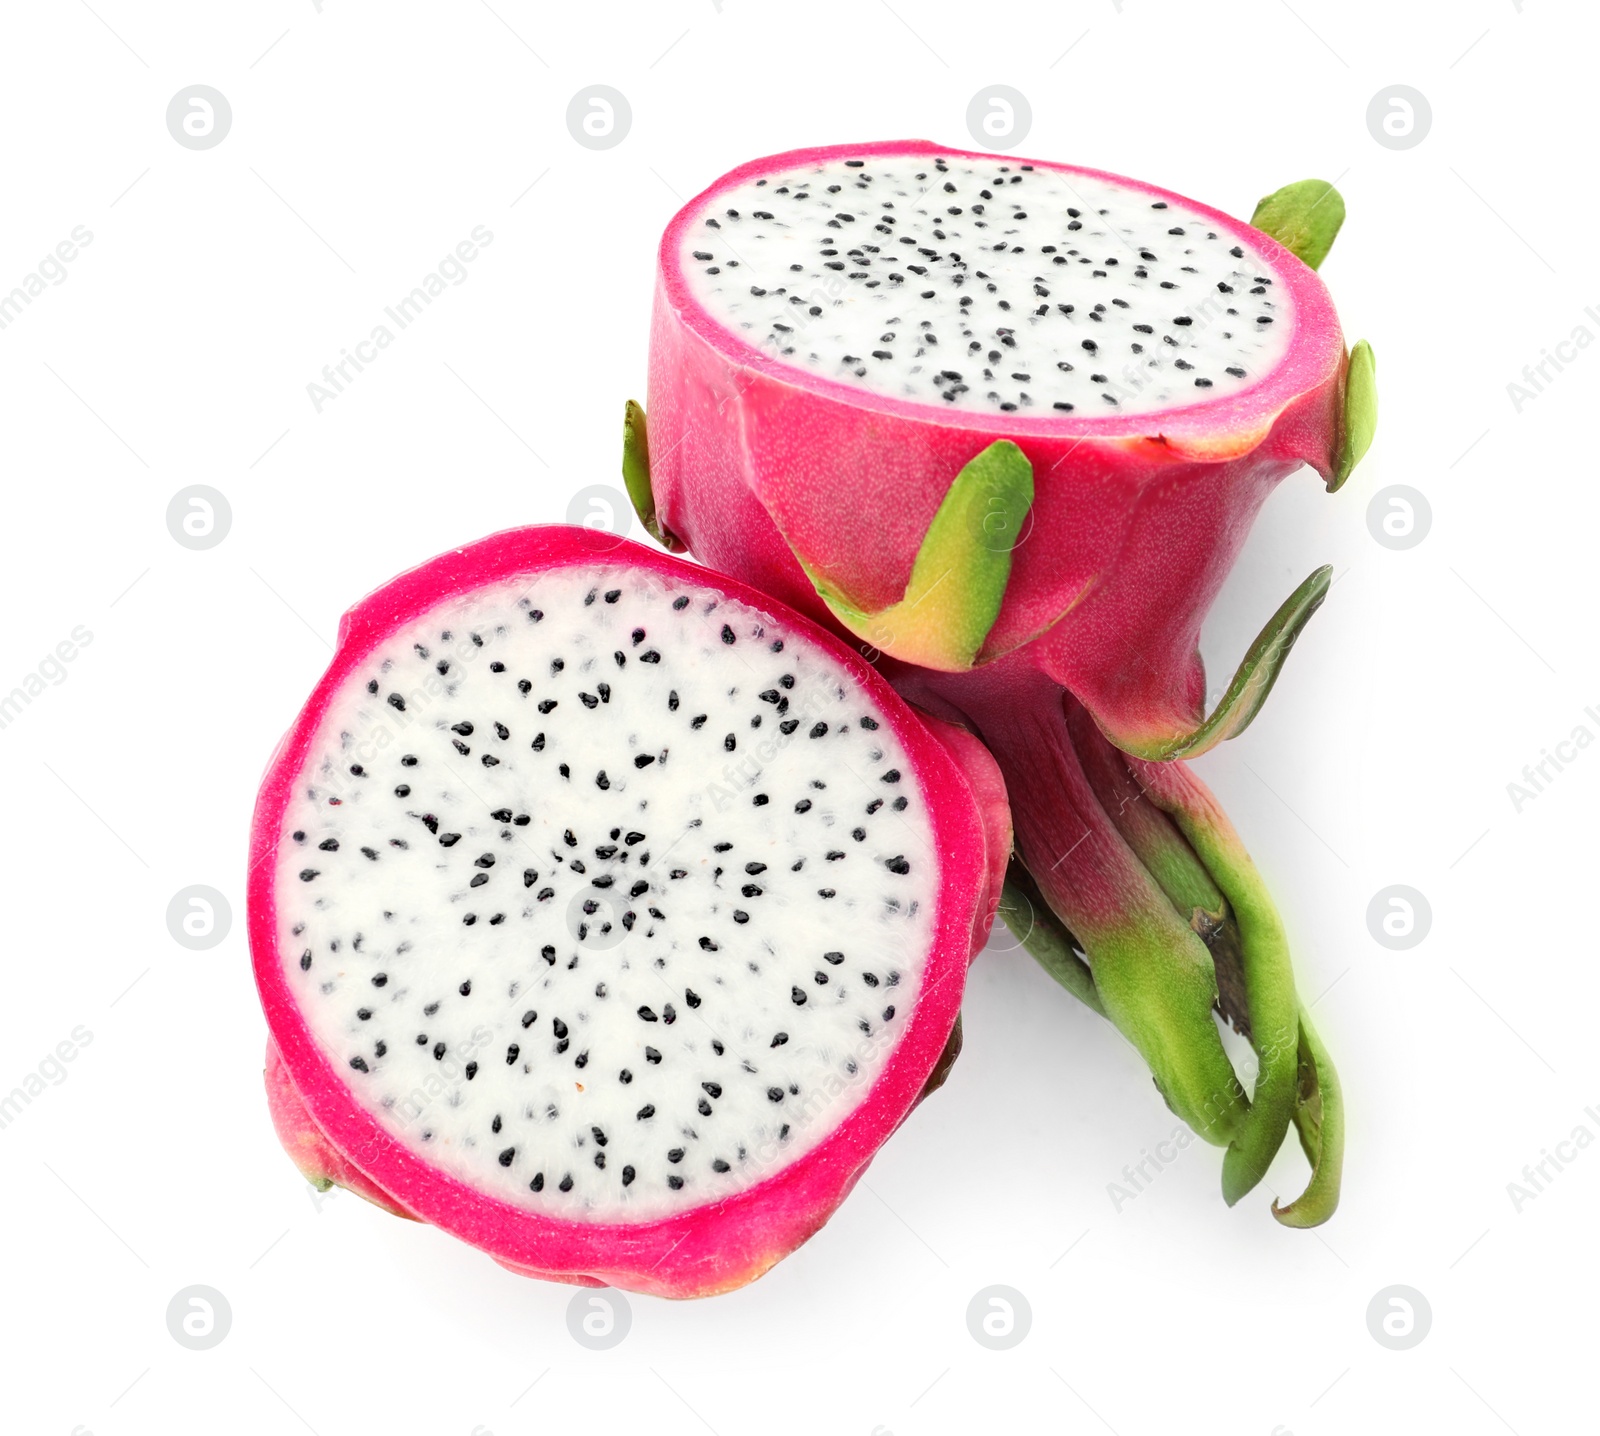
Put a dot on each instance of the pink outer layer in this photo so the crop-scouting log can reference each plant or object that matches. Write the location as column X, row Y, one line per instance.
column 1135, row 523
column 695, row 1253
column 988, row 788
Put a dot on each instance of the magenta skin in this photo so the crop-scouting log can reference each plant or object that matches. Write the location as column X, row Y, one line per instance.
column 695, row 1253
column 1135, row 521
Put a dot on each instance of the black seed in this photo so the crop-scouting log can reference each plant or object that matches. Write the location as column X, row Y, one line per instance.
column 897, row 865
column 507, row 1155
column 797, row 997
column 359, row 1063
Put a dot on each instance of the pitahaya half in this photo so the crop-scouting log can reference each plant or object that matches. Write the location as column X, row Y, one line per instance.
column 1010, row 422
column 608, row 915
column 839, row 333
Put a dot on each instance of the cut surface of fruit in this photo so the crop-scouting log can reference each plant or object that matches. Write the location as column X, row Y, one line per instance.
column 974, row 282
column 605, row 913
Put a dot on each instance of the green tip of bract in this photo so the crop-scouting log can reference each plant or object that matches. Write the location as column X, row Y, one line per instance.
column 958, row 580
column 1304, row 217
column 1252, row 681
column 1319, row 1119
column 1360, row 419
column 636, row 475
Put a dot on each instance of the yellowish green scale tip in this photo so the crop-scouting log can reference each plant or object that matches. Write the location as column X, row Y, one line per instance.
column 958, row 580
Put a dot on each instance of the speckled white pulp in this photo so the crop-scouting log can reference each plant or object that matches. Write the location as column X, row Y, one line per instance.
column 606, row 894
column 988, row 285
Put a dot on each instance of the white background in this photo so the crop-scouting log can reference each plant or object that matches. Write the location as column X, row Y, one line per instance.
column 366, row 141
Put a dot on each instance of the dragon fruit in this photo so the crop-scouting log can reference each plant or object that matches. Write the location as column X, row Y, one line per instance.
column 839, row 333
column 608, row 915
column 1008, row 423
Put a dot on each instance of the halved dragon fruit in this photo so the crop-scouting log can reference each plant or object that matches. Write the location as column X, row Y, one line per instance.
column 608, row 915
column 1009, row 423
column 840, row 332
